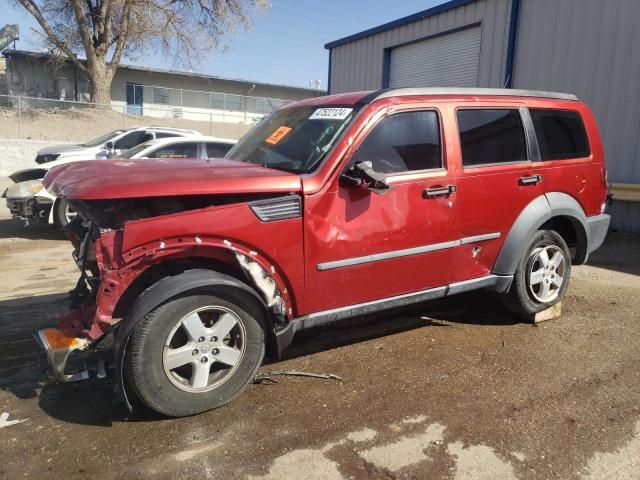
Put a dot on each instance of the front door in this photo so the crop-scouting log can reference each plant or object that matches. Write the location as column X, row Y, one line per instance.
column 134, row 99
column 362, row 246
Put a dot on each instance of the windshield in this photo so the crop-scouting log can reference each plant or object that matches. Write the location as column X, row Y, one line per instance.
column 100, row 140
column 295, row 139
column 132, row 151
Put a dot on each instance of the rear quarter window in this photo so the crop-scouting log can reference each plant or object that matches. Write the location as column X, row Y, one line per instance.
column 561, row 134
column 491, row 136
column 217, row 150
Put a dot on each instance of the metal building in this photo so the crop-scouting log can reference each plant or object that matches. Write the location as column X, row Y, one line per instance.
column 586, row 47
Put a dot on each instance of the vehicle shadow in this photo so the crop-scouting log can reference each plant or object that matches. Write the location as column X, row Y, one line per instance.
column 93, row 402
column 620, row 253
column 13, row 228
column 476, row 308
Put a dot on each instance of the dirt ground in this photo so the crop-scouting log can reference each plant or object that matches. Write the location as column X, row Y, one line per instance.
column 85, row 124
column 457, row 389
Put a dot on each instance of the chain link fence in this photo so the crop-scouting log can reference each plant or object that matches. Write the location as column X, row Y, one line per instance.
column 217, row 114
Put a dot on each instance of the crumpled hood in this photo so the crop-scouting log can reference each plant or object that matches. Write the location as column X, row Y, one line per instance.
column 123, row 178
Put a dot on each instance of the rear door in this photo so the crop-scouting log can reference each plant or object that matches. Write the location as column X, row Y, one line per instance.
column 496, row 181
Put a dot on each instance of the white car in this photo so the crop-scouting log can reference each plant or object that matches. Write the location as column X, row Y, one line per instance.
column 30, row 201
column 108, row 145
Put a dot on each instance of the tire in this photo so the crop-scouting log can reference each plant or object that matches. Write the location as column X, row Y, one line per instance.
column 61, row 215
column 165, row 362
column 537, row 285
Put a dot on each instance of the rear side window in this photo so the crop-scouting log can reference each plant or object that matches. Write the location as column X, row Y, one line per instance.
column 180, row 150
column 166, row 134
column 403, row 142
column 561, row 134
column 491, row 136
column 217, row 150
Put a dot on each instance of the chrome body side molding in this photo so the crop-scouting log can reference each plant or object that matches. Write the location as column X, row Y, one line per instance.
column 376, row 257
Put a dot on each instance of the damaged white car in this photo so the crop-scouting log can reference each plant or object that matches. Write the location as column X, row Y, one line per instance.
column 28, row 200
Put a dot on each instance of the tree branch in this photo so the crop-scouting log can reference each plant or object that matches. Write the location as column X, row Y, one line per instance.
column 123, row 32
column 83, row 29
column 33, row 9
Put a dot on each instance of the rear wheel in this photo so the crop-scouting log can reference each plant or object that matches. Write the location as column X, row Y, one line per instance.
column 542, row 276
column 194, row 354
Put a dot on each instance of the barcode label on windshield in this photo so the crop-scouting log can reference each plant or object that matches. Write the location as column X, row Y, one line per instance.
column 331, row 114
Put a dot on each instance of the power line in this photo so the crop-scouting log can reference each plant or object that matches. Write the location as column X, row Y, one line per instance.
column 325, row 17
column 344, row 10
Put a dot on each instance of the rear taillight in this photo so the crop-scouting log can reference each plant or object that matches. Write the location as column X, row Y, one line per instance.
column 605, row 189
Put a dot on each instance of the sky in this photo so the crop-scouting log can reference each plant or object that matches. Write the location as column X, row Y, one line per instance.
column 284, row 46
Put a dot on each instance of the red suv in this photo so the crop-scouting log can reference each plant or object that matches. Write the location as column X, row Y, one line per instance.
column 329, row 208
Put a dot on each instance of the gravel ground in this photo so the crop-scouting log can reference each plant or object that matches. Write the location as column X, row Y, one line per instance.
column 455, row 389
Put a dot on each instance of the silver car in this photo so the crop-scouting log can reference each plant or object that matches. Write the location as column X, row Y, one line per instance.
column 28, row 200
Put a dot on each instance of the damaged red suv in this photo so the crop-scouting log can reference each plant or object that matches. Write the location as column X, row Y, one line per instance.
column 329, row 208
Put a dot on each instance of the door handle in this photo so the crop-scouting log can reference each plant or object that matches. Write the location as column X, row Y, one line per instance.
column 439, row 191
column 531, row 180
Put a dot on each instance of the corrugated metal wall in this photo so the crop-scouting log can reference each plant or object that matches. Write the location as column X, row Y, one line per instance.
column 358, row 65
column 590, row 47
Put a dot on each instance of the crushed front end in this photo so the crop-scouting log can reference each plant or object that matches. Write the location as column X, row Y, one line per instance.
column 91, row 304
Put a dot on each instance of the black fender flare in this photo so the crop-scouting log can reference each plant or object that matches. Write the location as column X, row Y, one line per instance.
column 163, row 291
column 533, row 216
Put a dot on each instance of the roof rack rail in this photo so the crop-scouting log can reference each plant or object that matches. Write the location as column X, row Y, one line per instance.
column 393, row 92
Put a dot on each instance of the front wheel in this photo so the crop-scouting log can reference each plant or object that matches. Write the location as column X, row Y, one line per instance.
column 542, row 276
column 194, row 354
column 63, row 213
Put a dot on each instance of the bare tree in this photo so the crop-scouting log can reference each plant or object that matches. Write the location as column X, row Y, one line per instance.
column 105, row 30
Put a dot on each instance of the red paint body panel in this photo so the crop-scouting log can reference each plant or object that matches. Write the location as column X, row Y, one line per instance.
column 228, row 227
column 107, row 179
column 337, row 222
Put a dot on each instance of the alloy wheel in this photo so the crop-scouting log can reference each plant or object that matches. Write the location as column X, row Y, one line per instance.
column 204, row 349
column 546, row 272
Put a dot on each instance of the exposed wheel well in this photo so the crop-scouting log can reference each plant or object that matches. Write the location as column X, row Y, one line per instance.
column 172, row 267
column 573, row 233
column 176, row 266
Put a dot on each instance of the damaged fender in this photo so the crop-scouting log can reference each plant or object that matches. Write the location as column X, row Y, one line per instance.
column 161, row 292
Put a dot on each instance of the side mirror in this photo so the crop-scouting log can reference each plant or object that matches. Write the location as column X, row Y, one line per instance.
column 109, row 145
column 362, row 174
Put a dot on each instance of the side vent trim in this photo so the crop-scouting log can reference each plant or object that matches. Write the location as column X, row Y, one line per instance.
column 279, row 208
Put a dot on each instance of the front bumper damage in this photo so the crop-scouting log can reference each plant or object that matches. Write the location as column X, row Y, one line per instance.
column 70, row 350
column 58, row 348
column 30, row 209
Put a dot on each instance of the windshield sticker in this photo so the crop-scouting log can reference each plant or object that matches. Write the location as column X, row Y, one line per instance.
column 331, row 114
column 278, row 135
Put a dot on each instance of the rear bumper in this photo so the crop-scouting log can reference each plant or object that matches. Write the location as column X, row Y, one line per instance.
column 598, row 228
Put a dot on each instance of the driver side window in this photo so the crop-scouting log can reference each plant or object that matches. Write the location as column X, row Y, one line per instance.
column 403, row 142
column 130, row 140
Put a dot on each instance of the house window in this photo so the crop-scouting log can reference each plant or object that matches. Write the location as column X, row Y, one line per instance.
column 268, row 105
column 216, row 101
column 161, row 95
column 225, row 101
column 234, row 103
